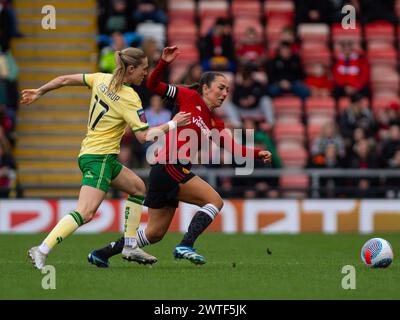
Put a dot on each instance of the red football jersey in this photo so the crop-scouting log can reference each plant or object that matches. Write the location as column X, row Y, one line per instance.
column 204, row 122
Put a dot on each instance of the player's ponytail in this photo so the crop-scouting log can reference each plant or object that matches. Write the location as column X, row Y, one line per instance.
column 123, row 59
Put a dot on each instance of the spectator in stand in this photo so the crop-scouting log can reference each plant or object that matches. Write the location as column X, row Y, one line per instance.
column 318, row 81
column 393, row 183
column 359, row 134
column 286, row 73
column 152, row 51
column 115, row 16
column 356, row 116
column 350, row 72
column 364, row 158
column 107, row 58
column 251, row 51
column 329, row 159
column 248, row 100
column 261, row 137
column 119, row 18
column 192, row 75
column 391, row 145
column 217, row 48
column 6, row 26
column 373, row 10
column 156, row 114
column 6, row 123
column 288, row 35
column 148, row 10
column 329, row 135
column 260, row 187
column 8, row 84
column 7, row 165
column 394, row 113
column 386, row 118
column 3, row 75
column 313, row 11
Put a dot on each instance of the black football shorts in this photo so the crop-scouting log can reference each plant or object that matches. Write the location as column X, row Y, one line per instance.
column 164, row 180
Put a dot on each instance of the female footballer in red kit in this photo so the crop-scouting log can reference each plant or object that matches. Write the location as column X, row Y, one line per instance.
column 170, row 179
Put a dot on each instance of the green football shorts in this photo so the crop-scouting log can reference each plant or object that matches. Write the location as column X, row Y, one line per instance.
column 98, row 170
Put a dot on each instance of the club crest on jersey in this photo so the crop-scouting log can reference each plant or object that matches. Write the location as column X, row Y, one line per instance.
column 185, row 171
column 142, row 116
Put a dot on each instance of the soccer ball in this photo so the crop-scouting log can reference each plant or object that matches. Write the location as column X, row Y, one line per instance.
column 377, row 253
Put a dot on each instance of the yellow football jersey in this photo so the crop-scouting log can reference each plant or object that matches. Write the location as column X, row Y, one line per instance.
column 109, row 114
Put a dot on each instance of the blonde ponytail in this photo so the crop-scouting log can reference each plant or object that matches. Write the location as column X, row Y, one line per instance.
column 123, row 59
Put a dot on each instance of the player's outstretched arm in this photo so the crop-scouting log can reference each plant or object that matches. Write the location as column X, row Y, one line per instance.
column 181, row 119
column 154, row 81
column 29, row 96
column 228, row 142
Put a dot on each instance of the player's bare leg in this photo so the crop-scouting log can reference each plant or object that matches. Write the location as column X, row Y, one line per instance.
column 89, row 201
column 127, row 182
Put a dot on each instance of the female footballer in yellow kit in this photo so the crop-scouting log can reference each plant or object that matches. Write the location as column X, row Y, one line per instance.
column 113, row 105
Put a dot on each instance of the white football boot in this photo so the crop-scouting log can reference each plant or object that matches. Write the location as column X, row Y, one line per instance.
column 138, row 255
column 38, row 258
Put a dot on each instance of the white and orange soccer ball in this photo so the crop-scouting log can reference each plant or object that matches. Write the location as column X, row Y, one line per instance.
column 377, row 253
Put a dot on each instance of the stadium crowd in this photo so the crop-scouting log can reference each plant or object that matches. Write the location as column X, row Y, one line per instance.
column 310, row 93
column 317, row 95
column 8, row 96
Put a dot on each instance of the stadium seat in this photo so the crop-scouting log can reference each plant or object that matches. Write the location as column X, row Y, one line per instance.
column 206, row 24
column 294, row 132
column 384, row 81
column 177, row 71
column 240, row 26
column 313, row 32
column 181, row 9
column 313, row 53
column 152, row 30
column 313, row 131
column 298, row 182
column 344, row 103
column 379, row 45
column 379, row 103
column 340, row 34
column 284, row 145
column 379, row 31
column 319, row 119
column 293, row 157
column 287, row 118
column 382, row 57
column 215, row 9
column 279, row 10
column 246, row 9
column 189, row 55
column 182, row 30
column 288, row 108
column 273, row 31
column 320, row 106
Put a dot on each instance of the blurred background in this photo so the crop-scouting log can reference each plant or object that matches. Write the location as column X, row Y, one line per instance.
column 323, row 99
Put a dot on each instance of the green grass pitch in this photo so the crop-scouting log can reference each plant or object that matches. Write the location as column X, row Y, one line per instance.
column 306, row 266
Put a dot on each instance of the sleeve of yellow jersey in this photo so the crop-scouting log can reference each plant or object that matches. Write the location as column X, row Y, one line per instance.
column 90, row 78
column 134, row 115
